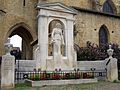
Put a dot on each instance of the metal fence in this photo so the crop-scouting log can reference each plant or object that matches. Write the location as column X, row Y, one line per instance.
column 59, row 75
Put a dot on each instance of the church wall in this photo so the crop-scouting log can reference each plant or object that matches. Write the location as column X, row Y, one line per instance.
column 117, row 4
column 88, row 25
column 78, row 3
column 86, row 4
column 17, row 13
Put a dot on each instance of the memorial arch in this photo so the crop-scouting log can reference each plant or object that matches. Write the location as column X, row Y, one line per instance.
column 23, row 31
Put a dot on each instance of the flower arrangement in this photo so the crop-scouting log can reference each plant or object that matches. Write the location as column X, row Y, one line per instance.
column 59, row 75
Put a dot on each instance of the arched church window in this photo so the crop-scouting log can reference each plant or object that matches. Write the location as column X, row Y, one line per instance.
column 109, row 7
column 103, row 35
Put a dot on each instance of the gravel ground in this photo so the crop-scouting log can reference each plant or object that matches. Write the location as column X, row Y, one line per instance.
column 93, row 86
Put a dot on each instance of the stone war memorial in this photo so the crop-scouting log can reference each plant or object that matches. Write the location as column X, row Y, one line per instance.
column 56, row 43
column 49, row 55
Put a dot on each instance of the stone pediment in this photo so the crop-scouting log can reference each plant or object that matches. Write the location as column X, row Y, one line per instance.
column 57, row 7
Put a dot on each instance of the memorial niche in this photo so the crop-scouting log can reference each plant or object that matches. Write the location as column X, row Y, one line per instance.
column 56, row 26
column 57, row 13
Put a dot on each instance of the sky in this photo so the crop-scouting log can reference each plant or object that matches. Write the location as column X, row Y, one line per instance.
column 16, row 41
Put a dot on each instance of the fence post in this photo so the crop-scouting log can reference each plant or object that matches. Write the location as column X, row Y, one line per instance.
column 93, row 72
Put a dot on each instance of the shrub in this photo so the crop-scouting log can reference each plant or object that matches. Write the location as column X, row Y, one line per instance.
column 119, row 74
column 93, row 52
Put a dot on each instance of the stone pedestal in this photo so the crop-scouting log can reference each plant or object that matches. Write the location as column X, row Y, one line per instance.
column 112, row 69
column 7, row 71
column 7, row 67
column 111, row 65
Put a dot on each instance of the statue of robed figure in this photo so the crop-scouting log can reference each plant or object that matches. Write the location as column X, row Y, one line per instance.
column 57, row 41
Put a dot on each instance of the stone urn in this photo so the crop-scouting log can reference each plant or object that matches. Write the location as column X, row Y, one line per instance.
column 8, row 47
column 110, row 51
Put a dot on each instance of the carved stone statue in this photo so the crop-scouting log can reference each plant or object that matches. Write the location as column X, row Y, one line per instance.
column 57, row 39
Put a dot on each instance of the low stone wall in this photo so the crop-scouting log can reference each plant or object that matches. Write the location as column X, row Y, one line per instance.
column 60, row 82
column 26, row 65
column 29, row 65
column 87, row 65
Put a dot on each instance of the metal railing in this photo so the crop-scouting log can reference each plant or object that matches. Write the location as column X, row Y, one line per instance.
column 59, row 75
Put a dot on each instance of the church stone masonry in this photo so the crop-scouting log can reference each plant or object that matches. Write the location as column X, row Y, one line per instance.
column 20, row 18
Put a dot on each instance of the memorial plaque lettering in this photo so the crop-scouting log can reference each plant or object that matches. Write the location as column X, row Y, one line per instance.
column 8, row 63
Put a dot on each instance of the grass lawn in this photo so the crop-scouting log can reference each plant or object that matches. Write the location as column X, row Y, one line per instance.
column 22, row 86
column 92, row 86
